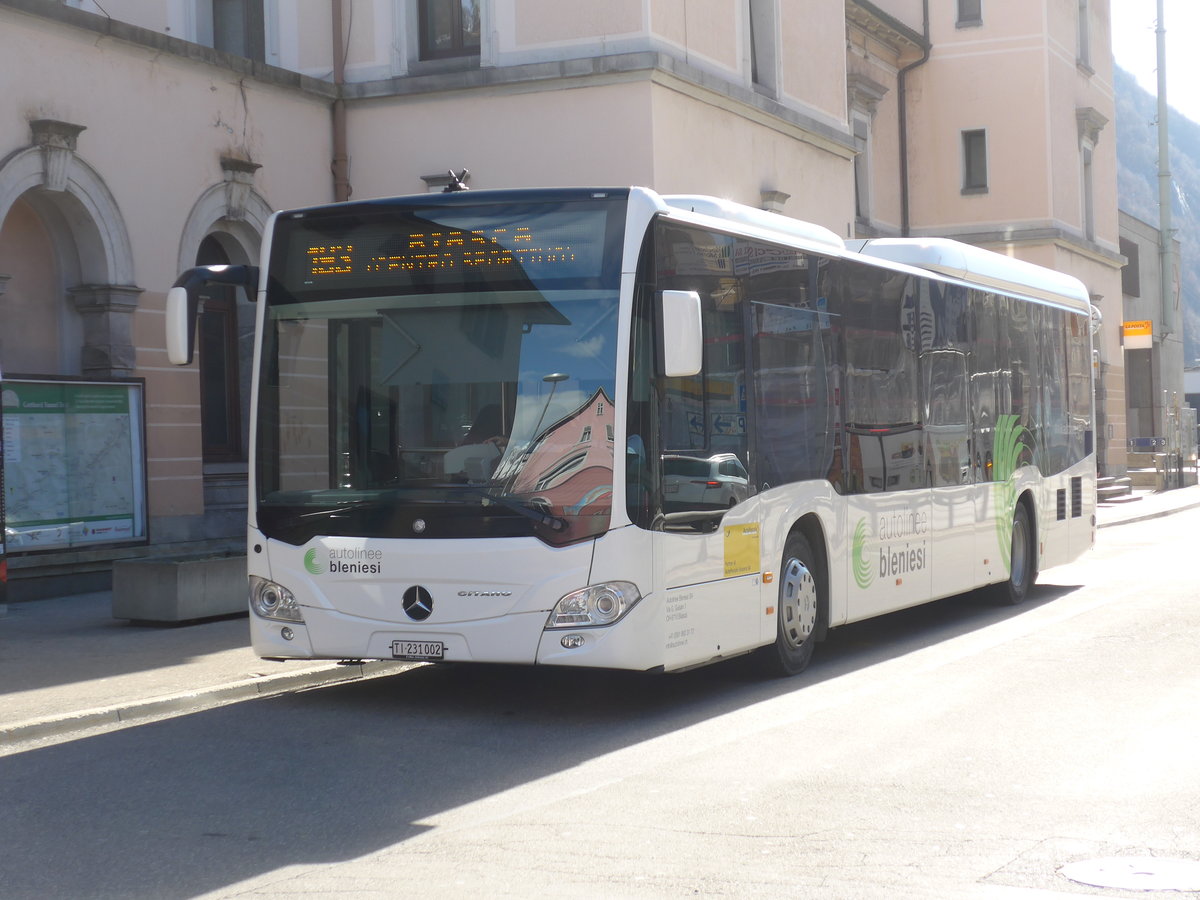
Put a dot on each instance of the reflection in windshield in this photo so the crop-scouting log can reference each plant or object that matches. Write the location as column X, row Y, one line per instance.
column 497, row 403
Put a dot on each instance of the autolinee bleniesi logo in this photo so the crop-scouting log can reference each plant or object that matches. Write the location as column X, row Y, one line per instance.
column 314, row 565
column 864, row 572
column 901, row 537
column 344, row 561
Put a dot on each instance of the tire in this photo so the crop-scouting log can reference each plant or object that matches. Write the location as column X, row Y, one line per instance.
column 1022, row 570
column 800, row 610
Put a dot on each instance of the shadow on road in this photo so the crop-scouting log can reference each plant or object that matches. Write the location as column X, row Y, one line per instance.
column 191, row 805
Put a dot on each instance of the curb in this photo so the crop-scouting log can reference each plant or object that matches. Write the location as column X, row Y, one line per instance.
column 195, row 701
column 1157, row 514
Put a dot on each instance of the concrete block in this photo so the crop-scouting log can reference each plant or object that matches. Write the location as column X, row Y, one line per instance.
column 179, row 589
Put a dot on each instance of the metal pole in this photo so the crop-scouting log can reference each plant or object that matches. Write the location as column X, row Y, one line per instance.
column 1167, row 232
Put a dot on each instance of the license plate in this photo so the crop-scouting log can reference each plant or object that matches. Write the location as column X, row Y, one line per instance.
column 427, row 650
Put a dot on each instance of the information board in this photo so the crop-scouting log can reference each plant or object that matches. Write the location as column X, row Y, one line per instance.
column 74, row 464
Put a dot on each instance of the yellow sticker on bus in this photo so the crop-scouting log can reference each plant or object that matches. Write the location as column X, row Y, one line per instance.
column 741, row 549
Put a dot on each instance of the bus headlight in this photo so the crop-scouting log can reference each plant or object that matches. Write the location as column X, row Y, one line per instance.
column 273, row 601
column 600, row 604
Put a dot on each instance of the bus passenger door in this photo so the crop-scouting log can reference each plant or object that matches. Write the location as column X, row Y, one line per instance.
column 706, row 533
column 948, row 458
column 707, row 543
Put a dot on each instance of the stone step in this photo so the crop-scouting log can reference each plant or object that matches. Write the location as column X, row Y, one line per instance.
column 1144, row 478
column 1111, row 489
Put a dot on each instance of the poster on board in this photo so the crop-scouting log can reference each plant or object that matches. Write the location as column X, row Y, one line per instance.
column 74, row 464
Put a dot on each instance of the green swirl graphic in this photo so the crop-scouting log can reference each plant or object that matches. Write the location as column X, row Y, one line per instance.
column 1010, row 444
column 314, row 565
column 864, row 572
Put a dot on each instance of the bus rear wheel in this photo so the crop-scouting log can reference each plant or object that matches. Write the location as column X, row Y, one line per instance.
column 1022, row 570
column 800, row 610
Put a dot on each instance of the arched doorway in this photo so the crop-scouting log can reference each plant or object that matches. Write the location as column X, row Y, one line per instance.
column 66, row 250
column 225, row 350
column 41, row 334
column 224, row 343
column 225, row 227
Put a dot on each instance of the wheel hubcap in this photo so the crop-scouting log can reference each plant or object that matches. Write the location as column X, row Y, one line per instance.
column 797, row 603
column 1020, row 552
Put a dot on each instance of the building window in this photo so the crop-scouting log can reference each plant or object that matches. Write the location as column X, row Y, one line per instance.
column 1131, row 274
column 1090, row 123
column 1084, row 56
column 449, row 28
column 1089, row 206
column 236, row 27
column 863, row 96
column 862, row 168
column 970, row 12
column 974, row 162
column 763, row 55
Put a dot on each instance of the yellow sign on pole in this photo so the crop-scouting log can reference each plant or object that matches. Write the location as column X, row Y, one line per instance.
column 1139, row 335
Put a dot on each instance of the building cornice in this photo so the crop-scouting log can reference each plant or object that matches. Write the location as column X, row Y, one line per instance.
column 651, row 65
column 104, row 26
column 884, row 27
column 624, row 68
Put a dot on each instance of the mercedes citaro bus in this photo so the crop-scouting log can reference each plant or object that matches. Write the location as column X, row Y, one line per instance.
column 471, row 410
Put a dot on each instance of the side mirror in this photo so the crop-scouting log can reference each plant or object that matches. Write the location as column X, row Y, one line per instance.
column 681, row 334
column 181, row 320
column 183, row 304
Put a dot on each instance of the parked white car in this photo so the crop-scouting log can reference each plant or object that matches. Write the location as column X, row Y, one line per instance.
column 715, row 482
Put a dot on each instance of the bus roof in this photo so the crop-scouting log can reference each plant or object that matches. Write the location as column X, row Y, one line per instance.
column 976, row 265
column 950, row 258
column 761, row 219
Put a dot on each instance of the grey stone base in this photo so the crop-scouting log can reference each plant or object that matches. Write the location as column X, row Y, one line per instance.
column 179, row 589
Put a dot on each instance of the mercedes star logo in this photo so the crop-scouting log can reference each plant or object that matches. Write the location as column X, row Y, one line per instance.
column 418, row 603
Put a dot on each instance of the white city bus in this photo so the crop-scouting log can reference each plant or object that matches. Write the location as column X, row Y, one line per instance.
column 617, row 429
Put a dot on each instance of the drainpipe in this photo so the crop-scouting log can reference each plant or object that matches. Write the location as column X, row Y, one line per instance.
column 340, row 167
column 901, row 85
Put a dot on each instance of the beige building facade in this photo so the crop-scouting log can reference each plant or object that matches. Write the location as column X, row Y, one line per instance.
column 143, row 137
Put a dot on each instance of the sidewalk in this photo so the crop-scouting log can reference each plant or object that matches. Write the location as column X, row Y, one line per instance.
column 1147, row 505
column 68, row 668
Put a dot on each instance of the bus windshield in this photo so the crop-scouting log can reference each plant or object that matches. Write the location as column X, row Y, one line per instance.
column 440, row 371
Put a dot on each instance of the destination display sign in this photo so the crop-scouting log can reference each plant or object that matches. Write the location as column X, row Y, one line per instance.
column 444, row 249
column 398, row 248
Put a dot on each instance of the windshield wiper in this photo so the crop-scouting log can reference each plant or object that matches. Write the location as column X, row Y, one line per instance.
column 337, row 510
column 528, row 510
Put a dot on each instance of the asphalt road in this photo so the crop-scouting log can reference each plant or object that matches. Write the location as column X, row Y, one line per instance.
column 957, row 750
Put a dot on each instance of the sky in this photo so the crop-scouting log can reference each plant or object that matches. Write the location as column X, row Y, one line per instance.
column 1135, row 48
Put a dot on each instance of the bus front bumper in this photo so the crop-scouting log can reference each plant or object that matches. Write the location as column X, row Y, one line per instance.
column 634, row 642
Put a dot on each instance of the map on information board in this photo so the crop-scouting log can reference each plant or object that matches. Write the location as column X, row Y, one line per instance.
column 73, row 464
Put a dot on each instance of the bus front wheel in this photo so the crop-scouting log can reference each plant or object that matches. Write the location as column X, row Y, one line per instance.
column 1022, row 570
column 800, row 610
